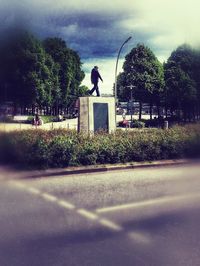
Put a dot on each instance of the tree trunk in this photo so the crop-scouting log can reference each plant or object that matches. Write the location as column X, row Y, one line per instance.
column 158, row 110
column 150, row 111
column 57, row 108
column 140, row 111
column 166, row 115
column 14, row 109
column 33, row 109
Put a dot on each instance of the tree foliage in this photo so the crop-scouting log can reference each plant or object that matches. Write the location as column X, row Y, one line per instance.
column 68, row 66
column 174, row 85
column 182, row 81
column 44, row 74
column 142, row 70
column 25, row 72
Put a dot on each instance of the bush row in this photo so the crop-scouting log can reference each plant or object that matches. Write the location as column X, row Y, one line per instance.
column 62, row 148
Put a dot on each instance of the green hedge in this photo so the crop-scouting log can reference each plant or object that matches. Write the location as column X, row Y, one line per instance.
column 62, row 148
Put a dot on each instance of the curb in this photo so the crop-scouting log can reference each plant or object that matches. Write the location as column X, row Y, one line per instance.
column 105, row 168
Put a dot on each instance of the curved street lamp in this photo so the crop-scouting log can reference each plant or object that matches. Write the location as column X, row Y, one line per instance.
column 117, row 65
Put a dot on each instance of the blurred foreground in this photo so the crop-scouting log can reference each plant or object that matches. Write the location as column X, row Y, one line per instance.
column 139, row 217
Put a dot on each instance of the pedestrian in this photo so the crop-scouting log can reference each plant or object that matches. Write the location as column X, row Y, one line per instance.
column 95, row 76
column 37, row 121
column 124, row 114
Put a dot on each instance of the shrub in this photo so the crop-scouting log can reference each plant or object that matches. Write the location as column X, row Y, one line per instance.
column 60, row 151
column 62, row 148
column 156, row 122
column 137, row 124
column 87, row 151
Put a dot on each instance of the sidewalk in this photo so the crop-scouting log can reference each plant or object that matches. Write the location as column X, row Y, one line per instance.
column 67, row 124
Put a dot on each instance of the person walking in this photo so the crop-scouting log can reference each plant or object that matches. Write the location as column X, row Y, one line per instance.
column 95, row 76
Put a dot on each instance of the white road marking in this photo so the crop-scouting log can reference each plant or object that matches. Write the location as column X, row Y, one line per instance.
column 110, row 225
column 66, row 204
column 49, row 197
column 33, row 190
column 87, row 214
column 153, row 202
column 141, row 238
column 18, row 184
column 60, row 202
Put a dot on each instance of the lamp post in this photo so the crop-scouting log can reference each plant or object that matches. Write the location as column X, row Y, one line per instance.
column 116, row 67
column 131, row 88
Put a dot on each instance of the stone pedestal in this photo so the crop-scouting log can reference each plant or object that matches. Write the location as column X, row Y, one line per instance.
column 96, row 113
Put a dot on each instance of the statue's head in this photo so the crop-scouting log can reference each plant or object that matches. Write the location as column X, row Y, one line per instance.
column 96, row 67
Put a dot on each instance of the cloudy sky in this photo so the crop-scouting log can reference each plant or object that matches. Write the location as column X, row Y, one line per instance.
column 97, row 28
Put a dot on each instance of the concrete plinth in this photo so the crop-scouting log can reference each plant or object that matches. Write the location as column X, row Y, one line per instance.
column 96, row 113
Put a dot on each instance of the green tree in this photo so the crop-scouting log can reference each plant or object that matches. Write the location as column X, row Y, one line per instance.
column 196, row 71
column 181, row 87
column 68, row 67
column 82, row 90
column 28, row 72
column 142, row 70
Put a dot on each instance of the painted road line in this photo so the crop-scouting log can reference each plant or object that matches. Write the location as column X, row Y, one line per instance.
column 106, row 223
column 110, row 225
column 33, row 190
column 153, row 202
column 62, row 203
column 66, row 204
column 49, row 197
column 87, row 214
column 18, row 184
column 141, row 238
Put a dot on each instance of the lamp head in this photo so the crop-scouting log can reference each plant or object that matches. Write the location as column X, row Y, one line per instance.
column 128, row 39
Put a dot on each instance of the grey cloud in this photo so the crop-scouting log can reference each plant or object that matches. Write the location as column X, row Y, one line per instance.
column 91, row 32
column 85, row 19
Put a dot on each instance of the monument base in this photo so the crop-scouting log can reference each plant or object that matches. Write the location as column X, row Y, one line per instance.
column 96, row 114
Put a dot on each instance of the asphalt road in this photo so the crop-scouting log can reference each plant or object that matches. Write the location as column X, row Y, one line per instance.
column 137, row 217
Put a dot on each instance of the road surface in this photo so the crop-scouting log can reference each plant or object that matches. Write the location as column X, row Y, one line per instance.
column 147, row 217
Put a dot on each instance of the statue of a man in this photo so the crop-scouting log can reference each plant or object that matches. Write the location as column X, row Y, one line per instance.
column 95, row 76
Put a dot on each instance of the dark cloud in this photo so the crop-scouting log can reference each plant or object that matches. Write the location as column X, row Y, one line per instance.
column 84, row 20
column 92, row 34
column 97, row 28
